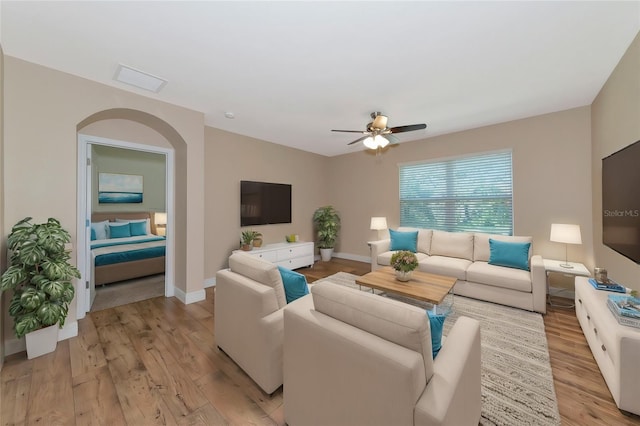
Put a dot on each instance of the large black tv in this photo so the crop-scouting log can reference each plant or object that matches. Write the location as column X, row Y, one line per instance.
column 621, row 201
column 264, row 203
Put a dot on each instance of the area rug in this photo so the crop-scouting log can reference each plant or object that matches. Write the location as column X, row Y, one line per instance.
column 517, row 383
column 129, row 291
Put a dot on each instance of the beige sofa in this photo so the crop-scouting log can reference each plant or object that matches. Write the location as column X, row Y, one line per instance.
column 465, row 255
column 354, row 358
column 249, row 298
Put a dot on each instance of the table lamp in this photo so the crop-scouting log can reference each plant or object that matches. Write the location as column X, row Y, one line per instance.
column 160, row 220
column 567, row 234
column 379, row 224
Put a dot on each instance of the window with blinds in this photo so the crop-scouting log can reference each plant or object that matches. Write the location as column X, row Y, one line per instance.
column 461, row 194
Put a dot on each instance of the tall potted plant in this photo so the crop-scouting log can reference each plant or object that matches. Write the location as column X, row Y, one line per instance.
column 327, row 223
column 40, row 277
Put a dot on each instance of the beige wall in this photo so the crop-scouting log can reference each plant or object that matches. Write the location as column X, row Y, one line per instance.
column 41, row 142
column 615, row 120
column 3, row 248
column 150, row 166
column 551, row 179
column 230, row 158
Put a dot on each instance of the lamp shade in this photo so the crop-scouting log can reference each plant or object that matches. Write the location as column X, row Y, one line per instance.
column 160, row 218
column 378, row 223
column 565, row 233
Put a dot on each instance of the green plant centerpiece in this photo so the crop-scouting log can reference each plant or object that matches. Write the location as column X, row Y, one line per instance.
column 247, row 237
column 404, row 262
column 326, row 221
column 40, row 275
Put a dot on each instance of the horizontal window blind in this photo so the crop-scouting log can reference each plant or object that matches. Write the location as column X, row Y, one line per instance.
column 461, row 194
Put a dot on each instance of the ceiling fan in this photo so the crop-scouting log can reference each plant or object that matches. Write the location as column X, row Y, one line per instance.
column 378, row 135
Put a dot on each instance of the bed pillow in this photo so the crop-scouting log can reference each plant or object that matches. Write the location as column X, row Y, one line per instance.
column 509, row 254
column 147, row 223
column 403, row 240
column 119, row 230
column 137, row 228
column 100, row 229
column 93, row 235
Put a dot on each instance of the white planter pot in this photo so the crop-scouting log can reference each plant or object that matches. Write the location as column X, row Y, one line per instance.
column 326, row 254
column 41, row 342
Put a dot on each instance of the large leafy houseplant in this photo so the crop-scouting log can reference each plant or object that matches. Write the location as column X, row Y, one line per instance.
column 327, row 223
column 40, row 275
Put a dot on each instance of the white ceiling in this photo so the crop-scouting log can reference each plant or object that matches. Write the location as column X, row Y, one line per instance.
column 292, row 71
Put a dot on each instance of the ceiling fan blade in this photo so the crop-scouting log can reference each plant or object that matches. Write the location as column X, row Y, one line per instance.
column 359, row 140
column 410, row 128
column 350, row 131
column 392, row 139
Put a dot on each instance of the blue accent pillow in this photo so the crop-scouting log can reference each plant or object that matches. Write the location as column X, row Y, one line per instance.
column 119, row 230
column 138, row 228
column 93, row 234
column 436, row 321
column 295, row 284
column 404, row 240
column 100, row 228
column 509, row 254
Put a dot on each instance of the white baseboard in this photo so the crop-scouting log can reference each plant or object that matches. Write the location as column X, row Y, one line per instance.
column 14, row 345
column 191, row 297
column 349, row 256
column 210, row 282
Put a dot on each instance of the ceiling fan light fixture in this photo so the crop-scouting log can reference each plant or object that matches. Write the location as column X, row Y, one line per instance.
column 370, row 143
column 380, row 141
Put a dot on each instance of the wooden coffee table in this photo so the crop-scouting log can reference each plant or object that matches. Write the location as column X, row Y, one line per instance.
column 423, row 286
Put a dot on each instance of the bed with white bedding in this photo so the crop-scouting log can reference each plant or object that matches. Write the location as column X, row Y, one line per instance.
column 118, row 255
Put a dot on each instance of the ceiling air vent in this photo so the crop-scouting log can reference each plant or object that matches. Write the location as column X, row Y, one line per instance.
column 142, row 80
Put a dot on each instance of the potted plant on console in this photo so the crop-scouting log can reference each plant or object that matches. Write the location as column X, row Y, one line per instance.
column 40, row 277
column 327, row 223
column 404, row 262
column 246, row 239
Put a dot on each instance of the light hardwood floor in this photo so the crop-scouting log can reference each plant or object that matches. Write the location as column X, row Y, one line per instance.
column 156, row 362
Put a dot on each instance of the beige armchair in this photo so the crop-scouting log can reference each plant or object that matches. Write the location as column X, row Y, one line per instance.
column 353, row 358
column 249, row 298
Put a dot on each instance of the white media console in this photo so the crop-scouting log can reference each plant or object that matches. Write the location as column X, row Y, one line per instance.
column 289, row 255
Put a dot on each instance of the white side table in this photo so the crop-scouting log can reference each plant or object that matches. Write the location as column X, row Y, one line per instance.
column 553, row 266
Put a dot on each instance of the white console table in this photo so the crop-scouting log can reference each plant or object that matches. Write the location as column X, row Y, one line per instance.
column 289, row 255
column 615, row 347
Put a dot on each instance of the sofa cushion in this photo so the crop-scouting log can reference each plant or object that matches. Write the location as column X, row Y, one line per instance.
column 452, row 244
column 481, row 250
column 403, row 240
column 261, row 271
column 509, row 254
column 295, row 284
column 449, row 266
column 385, row 258
column 424, row 238
column 397, row 322
column 499, row 276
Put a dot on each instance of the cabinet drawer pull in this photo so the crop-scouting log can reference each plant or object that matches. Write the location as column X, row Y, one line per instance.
column 580, row 300
column 588, row 317
column 603, row 348
column 595, row 330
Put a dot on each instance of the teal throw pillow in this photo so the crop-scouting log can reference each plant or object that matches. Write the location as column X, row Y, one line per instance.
column 119, row 230
column 93, row 234
column 138, row 228
column 436, row 321
column 509, row 254
column 295, row 284
column 404, row 240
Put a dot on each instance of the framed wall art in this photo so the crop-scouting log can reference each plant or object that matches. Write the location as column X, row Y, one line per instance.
column 118, row 188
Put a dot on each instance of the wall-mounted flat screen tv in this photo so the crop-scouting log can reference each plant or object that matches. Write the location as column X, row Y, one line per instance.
column 263, row 203
column 621, row 201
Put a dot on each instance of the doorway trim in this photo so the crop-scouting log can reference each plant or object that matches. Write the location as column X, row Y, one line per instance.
column 84, row 223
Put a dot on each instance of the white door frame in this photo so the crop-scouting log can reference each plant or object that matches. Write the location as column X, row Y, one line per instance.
column 84, row 223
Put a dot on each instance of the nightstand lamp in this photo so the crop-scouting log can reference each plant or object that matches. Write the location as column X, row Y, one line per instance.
column 379, row 224
column 567, row 234
column 160, row 220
